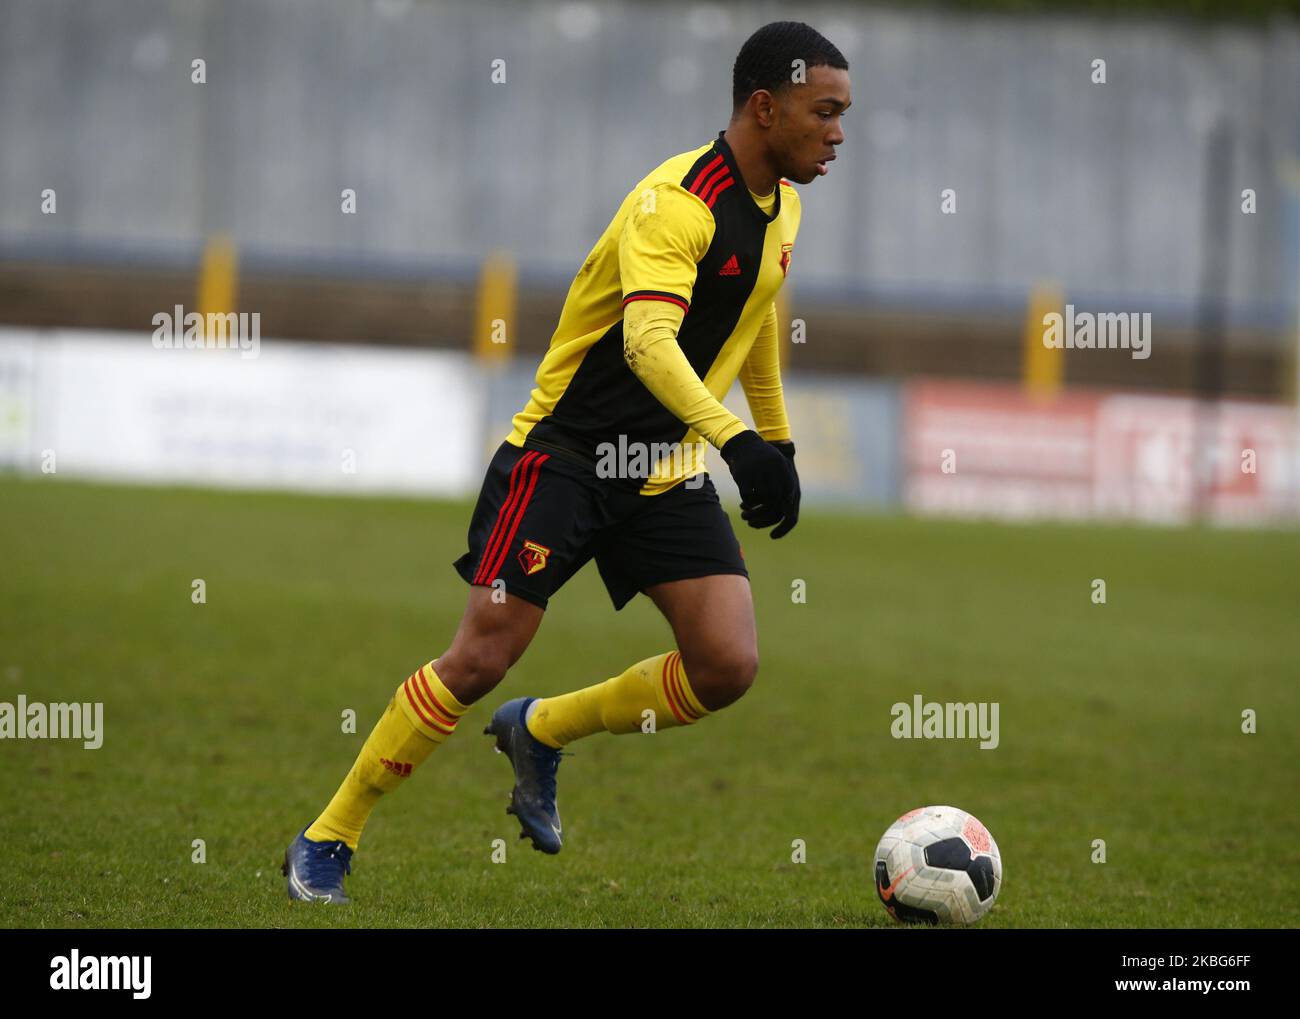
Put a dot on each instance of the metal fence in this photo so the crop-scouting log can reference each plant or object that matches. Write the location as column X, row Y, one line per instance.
column 1099, row 186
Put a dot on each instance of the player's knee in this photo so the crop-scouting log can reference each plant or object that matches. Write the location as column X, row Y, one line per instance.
column 487, row 665
column 474, row 671
column 744, row 671
column 724, row 678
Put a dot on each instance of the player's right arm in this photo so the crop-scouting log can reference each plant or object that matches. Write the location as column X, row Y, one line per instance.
column 666, row 234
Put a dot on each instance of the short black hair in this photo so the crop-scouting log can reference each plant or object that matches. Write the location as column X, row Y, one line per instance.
column 766, row 59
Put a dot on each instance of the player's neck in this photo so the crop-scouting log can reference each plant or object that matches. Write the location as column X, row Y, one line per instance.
column 760, row 175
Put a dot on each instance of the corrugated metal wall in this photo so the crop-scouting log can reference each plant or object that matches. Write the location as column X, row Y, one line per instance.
column 1098, row 186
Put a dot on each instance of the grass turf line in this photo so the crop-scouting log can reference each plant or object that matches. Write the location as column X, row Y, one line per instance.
column 222, row 721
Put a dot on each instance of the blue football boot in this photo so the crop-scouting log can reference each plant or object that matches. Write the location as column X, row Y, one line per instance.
column 315, row 869
column 535, row 764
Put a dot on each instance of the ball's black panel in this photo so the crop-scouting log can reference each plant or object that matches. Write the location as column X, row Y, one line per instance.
column 899, row 910
column 981, row 876
column 950, row 854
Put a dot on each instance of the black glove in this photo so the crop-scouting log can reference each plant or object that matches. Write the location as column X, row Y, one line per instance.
column 764, row 475
column 788, row 514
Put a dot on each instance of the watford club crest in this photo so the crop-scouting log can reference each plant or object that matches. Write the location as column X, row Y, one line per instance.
column 533, row 557
column 785, row 259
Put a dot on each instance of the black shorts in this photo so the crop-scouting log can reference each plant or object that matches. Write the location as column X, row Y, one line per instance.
column 540, row 517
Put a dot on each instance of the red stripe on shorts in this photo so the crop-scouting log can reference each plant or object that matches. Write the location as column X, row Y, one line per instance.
column 533, row 469
column 503, row 514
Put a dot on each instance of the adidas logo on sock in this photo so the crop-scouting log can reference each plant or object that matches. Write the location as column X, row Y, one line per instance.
column 400, row 768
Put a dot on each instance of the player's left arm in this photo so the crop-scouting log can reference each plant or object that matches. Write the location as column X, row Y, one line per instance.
column 760, row 378
column 659, row 252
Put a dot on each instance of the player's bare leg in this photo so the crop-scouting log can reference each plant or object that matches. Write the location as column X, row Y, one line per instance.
column 714, row 663
column 488, row 642
column 494, row 632
column 713, row 621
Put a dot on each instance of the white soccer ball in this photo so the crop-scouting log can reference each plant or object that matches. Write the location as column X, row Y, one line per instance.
column 938, row 865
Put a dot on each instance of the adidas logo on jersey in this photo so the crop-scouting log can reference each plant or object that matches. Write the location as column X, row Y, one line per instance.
column 731, row 268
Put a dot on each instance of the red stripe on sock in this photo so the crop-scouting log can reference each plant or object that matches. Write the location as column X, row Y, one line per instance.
column 679, row 686
column 450, row 718
column 426, row 702
column 423, row 718
column 668, row 693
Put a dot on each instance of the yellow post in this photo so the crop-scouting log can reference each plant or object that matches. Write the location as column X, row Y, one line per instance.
column 1043, row 367
column 218, row 283
column 494, row 319
column 1290, row 386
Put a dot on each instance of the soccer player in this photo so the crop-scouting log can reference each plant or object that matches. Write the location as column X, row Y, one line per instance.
column 605, row 461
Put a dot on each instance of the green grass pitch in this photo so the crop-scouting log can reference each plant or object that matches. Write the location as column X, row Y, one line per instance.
column 1119, row 722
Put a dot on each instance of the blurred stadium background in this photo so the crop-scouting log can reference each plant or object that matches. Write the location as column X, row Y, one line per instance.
column 127, row 188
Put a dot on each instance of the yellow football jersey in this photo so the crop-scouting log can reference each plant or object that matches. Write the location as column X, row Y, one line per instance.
column 690, row 234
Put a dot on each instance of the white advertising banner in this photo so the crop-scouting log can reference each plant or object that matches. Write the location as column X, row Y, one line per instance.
column 327, row 417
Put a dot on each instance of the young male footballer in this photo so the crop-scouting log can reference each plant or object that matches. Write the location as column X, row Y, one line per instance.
column 673, row 303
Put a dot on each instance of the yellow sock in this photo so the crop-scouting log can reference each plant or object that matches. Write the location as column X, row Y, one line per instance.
column 619, row 704
column 420, row 715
